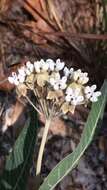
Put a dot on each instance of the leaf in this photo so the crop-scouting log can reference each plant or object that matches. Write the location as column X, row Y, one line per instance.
column 69, row 162
column 104, row 3
column 19, row 161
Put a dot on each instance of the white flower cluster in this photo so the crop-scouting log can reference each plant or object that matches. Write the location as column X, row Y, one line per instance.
column 38, row 67
column 57, row 82
column 91, row 94
column 24, row 71
column 48, row 65
column 73, row 96
column 58, row 78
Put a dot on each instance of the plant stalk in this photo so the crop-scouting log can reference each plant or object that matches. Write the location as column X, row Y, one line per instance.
column 43, row 142
column 31, row 103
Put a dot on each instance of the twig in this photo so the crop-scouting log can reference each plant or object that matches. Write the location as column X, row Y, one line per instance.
column 78, row 36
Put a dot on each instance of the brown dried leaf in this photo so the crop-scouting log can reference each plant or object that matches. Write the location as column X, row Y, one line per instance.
column 11, row 115
column 4, row 84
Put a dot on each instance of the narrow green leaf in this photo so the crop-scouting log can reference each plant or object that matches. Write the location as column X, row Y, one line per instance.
column 19, row 161
column 69, row 162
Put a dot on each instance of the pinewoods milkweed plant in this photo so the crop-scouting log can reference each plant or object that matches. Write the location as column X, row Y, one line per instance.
column 57, row 88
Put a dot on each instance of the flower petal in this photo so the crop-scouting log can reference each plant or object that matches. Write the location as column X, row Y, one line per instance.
column 16, row 82
column 11, row 80
column 59, row 65
column 80, row 99
column 93, row 99
column 66, row 71
column 52, row 81
column 56, row 86
column 28, row 72
column 93, row 87
column 51, row 64
column 76, row 74
column 21, row 71
column 62, row 82
column 64, row 79
column 37, row 66
column 63, row 86
column 69, row 91
column 21, row 78
column 87, row 89
column 68, row 98
column 97, row 93
column 30, row 66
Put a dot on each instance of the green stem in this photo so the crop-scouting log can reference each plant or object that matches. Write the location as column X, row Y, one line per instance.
column 42, row 146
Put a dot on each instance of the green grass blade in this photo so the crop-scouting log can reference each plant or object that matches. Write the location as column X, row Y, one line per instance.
column 19, row 161
column 69, row 162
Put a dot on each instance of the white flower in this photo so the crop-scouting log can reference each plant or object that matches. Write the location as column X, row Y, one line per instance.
column 22, row 71
column 41, row 66
column 91, row 94
column 21, row 78
column 44, row 65
column 83, row 79
column 80, row 77
column 59, row 65
column 89, row 90
column 55, row 66
column 51, row 64
column 68, row 72
column 72, row 90
column 29, row 68
column 68, row 97
column 13, row 79
column 76, row 74
column 53, row 78
column 58, row 83
column 77, row 100
column 28, row 72
column 73, row 96
column 37, row 66
column 21, row 74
